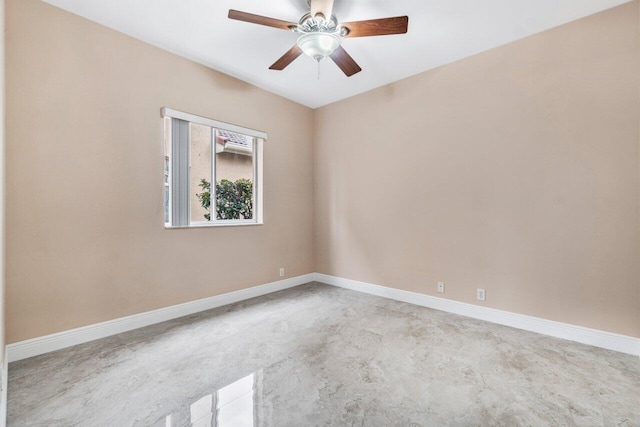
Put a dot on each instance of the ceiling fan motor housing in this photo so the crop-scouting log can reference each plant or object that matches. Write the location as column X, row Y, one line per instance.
column 319, row 24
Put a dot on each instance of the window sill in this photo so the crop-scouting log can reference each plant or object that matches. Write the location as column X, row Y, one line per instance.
column 214, row 225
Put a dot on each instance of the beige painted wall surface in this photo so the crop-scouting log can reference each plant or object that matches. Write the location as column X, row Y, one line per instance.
column 86, row 240
column 515, row 170
column 233, row 166
column 2, row 195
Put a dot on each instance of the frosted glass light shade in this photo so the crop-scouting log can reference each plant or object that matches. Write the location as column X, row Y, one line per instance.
column 318, row 45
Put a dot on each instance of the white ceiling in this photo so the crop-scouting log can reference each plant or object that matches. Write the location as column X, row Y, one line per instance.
column 440, row 32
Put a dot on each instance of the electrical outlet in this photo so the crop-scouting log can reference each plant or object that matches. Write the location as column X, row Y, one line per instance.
column 281, row 271
column 441, row 287
column 480, row 294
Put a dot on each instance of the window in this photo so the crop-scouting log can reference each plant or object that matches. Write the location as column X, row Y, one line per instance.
column 213, row 172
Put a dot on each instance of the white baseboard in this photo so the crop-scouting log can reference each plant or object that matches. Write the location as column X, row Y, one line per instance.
column 594, row 337
column 41, row 345
column 5, row 383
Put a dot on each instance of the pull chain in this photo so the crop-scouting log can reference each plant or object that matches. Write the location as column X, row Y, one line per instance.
column 318, row 70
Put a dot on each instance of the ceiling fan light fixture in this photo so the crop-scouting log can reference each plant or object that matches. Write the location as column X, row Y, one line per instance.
column 318, row 45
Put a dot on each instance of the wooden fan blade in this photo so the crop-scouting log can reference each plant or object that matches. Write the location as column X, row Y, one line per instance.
column 261, row 20
column 345, row 62
column 377, row 27
column 324, row 7
column 287, row 58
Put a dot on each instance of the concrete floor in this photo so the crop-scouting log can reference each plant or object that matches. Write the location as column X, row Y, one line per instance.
column 319, row 355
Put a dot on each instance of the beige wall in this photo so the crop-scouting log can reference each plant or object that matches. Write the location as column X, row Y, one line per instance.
column 515, row 170
column 233, row 166
column 86, row 239
column 2, row 228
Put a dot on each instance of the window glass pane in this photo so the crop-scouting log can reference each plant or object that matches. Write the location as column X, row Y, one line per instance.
column 199, row 171
column 166, row 189
column 234, row 176
column 167, row 162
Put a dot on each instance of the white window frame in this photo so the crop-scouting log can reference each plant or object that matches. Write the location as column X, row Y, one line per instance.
column 257, row 159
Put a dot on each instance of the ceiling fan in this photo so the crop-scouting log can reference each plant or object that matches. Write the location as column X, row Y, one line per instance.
column 321, row 34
